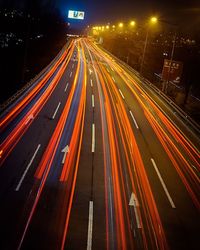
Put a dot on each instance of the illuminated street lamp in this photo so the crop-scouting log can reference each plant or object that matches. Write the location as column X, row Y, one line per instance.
column 121, row 25
column 132, row 23
column 107, row 27
column 153, row 20
column 113, row 26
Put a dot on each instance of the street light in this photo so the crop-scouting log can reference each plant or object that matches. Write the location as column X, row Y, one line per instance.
column 132, row 23
column 107, row 27
column 121, row 25
column 153, row 20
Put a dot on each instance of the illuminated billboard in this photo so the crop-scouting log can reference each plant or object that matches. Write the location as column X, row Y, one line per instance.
column 74, row 14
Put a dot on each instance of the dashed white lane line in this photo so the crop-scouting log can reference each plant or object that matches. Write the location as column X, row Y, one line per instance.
column 91, row 83
column 93, row 101
column 163, row 184
column 70, row 74
column 121, row 94
column 93, row 138
column 66, row 87
column 27, row 168
column 132, row 116
column 113, row 79
column 72, row 65
column 90, row 226
column 54, row 115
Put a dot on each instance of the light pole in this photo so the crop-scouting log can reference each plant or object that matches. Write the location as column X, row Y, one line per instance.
column 166, row 83
column 153, row 20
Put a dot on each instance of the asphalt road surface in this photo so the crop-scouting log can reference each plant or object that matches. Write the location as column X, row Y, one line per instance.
column 92, row 158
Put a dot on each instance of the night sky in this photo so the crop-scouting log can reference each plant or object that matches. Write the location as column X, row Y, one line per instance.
column 101, row 11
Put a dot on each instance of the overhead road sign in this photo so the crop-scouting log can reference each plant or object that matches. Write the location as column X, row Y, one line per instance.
column 74, row 14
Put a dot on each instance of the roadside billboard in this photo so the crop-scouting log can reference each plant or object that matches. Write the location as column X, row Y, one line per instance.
column 74, row 14
column 172, row 71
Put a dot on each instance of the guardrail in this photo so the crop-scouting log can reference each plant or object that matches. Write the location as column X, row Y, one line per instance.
column 194, row 125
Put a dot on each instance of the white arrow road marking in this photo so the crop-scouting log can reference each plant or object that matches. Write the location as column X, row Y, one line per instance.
column 90, row 71
column 27, row 168
column 163, row 184
column 90, row 226
column 65, row 151
column 134, row 203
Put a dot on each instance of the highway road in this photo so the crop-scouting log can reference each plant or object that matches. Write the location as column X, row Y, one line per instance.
column 92, row 158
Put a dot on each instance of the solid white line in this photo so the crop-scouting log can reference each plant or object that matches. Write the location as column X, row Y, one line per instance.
column 54, row 115
column 90, row 226
column 66, row 87
column 27, row 168
column 91, row 83
column 93, row 138
column 163, row 184
column 93, row 101
column 70, row 74
column 121, row 94
column 113, row 79
column 134, row 119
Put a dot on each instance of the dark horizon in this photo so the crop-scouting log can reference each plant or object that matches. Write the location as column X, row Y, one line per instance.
column 182, row 12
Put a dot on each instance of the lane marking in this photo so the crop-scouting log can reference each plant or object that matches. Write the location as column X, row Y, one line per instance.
column 90, row 226
column 134, row 119
column 194, row 167
column 108, row 70
column 70, row 74
column 72, row 65
column 93, row 138
column 30, row 117
column 93, row 101
column 121, row 94
column 113, row 79
column 112, row 69
column 90, row 71
column 66, row 87
column 91, row 82
column 54, row 115
column 65, row 150
column 27, row 168
column 134, row 203
column 163, row 184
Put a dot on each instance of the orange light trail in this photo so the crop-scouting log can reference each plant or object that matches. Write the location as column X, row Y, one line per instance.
column 12, row 139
